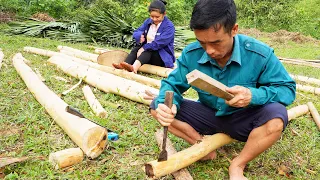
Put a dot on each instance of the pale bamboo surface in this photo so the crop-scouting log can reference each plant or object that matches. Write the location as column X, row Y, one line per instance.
column 106, row 82
column 72, row 88
column 197, row 151
column 157, row 70
column 78, row 53
column 310, row 89
column 93, row 102
column 182, row 174
column 1, row 58
column 299, row 62
column 315, row 114
column 66, row 158
column 39, row 51
column 119, row 72
column 90, row 137
column 306, row 79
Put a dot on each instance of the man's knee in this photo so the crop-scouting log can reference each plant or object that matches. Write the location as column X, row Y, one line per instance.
column 274, row 126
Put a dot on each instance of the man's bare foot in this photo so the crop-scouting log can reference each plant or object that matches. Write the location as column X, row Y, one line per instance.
column 236, row 172
column 210, row 156
column 127, row 66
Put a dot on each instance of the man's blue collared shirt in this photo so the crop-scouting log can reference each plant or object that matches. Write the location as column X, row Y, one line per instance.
column 252, row 64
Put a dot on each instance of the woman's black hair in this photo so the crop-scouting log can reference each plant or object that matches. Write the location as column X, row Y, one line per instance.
column 214, row 13
column 158, row 5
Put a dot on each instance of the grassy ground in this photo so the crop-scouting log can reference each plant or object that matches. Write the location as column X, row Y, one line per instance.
column 27, row 130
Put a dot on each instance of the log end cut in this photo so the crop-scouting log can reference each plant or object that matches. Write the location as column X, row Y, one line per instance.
column 109, row 57
column 66, row 158
column 95, row 141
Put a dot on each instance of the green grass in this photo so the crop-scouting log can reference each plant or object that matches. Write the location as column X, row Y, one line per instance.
column 34, row 134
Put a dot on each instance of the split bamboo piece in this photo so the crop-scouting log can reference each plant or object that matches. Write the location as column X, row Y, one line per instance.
column 72, row 88
column 1, row 58
column 306, row 79
column 106, row 82
column 315, row 114
column 66, row 158
column 78, row 53
column 90, row 137
column 182, row 174
column 93, row 102
column 197, row 151
column 311, row 89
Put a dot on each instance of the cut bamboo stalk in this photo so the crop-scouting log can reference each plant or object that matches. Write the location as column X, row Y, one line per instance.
column 1, row 58
column 311, row 89
column 78, row 53
column 101, row 50
column 157, row 70
column 40, row 51
column 122, row 73
column 39, row 75
column 197, row 151
column 93, row 102
column 182, row 174
column 315, row 114
column 90, row 137
column 72, row 88
column 300, row 62
column 106, row 82
column 66, row 158
column 306, row 79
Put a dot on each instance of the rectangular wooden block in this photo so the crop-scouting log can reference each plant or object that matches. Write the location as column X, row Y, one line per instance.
column 208, row 84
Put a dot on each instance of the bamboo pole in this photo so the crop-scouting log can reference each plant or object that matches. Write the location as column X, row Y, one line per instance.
column 197, row 151
column 311, row 89
column 78, row 53
column 157, row 70
column 182, row 174
column 305, row 79
column 1, row 58
column 93, row 102
column 106, row 82
column 66, row 158
column 299, row 62
column 90, row 137
column 40, row 51
column 315, row 114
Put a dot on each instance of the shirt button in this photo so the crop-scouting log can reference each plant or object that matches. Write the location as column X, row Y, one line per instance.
column 248, row 45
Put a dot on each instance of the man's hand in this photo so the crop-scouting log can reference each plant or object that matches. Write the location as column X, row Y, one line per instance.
column 142, row 39
column 140, row 51
column 242, row 96
column 165, row 115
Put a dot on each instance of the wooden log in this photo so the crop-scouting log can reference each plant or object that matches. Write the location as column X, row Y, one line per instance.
column 197, row 151
column 311, row 89
column 182, row 174
column 106, row 82
column 315, row 114
column 208, row 84
column 94, row 103
column 66, row 158
column 90, row 137
column 306, row 79
column 78, row 53
column 1, row 58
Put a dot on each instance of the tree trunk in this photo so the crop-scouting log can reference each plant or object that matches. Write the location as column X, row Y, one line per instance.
column 192, row 154
column 106, row 82
column 182, row 174
column 66, row 158
column 308, row 89
column 306, row 79
column 94, row 103
column 78, row 53
column 90, row 137
column 314, row 113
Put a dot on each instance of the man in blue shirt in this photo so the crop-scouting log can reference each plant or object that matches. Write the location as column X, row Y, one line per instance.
column 254, row 75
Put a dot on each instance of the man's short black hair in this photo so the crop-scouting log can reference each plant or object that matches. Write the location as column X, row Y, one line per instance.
column 214, row 13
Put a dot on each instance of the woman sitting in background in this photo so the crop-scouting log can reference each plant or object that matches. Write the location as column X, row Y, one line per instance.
column 154, row 40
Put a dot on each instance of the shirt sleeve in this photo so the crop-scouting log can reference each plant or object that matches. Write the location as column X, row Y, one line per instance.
column 138, row 32
column 162, row 40
column 274, row 84
column 176, row 82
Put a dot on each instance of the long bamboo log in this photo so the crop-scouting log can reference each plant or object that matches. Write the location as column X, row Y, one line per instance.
column 93, row 102
column 66, row 158
column 315, row 114
column 78, row 53
column 182, row 174
column 306, row 79
column 1, row 58
column 311, row 89
column 157, row 70
column 39, row 51
column 299, row 62
column 90, row 137
column 106, row 82
column 197, row 151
